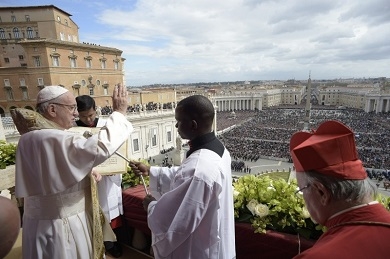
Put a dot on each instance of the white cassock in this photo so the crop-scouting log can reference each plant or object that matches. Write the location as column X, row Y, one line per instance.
column 52, row 174
column 193, row 217
column 110, row 195
column 110, row 191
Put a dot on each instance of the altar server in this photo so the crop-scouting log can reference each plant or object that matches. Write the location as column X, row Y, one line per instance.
column 193, row 216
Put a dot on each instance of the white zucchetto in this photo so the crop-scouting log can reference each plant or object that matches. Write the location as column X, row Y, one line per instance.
column 50, row 92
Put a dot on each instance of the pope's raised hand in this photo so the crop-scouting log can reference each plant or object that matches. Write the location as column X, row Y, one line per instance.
column 119, row 99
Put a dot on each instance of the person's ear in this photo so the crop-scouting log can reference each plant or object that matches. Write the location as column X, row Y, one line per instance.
column 51, row 110
column 322, row 192
column 194, row 125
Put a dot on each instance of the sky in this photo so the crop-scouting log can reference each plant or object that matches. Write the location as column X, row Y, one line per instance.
column 192, row 41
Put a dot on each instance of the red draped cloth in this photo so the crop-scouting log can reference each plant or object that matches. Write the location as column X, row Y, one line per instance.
column 273, row 245
column 133, row 210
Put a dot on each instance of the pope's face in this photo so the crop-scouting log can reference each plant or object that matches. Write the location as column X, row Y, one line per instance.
column 88, row 116
column 65, row 111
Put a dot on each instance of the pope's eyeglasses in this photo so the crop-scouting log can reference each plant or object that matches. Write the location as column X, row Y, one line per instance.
column 71, row 108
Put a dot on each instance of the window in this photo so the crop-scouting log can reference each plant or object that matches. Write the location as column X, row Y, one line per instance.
column 24, row 93
column 30, row 33
column 104, row 64
column 105, row 88
column 73, row 62
column 2, row 34
column 91, row 92
column 169, row 136
column 40, row 81
column 7, row 83
column 154, row 137
column 88, row 63
column 135, row 145
column 66, row 22
column 116, row 65
column 58, row 18
column 22, row 82
column 10, row 95
column 56, row 61
column 13, row 18
column 6, row 60
column 37, row 61
column 16, row 33
column 62, row 36
column 27, row 18
column 21, row 57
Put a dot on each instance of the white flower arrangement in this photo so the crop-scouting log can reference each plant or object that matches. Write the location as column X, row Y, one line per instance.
column 272, row 204
column 258, row 209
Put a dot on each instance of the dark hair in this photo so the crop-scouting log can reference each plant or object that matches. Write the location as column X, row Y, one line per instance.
column 198, row 108
column 85, row 102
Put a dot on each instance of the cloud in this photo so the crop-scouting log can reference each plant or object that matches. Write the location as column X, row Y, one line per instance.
column 170, row 41
column 194, row 40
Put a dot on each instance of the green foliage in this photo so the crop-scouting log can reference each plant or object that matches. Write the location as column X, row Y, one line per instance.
column 385, row 200
column 269, row 203
column 130, row 179
column 7, row 154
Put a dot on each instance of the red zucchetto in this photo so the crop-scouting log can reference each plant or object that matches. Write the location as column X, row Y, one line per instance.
column 329, row 150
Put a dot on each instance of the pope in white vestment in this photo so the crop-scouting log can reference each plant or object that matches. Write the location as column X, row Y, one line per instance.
column 52, row 175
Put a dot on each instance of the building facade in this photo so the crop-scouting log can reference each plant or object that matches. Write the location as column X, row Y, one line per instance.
column 40, row 47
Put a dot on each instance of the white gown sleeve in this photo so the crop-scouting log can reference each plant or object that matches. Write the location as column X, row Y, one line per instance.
column 160, row 180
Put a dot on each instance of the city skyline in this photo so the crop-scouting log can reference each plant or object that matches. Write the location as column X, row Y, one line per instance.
column 181, row 42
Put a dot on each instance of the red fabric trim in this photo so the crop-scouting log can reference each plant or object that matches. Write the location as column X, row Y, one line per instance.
column 116, row 223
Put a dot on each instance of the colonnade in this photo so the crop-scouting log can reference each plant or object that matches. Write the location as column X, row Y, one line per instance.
column 242, row 102
column 377, row 104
